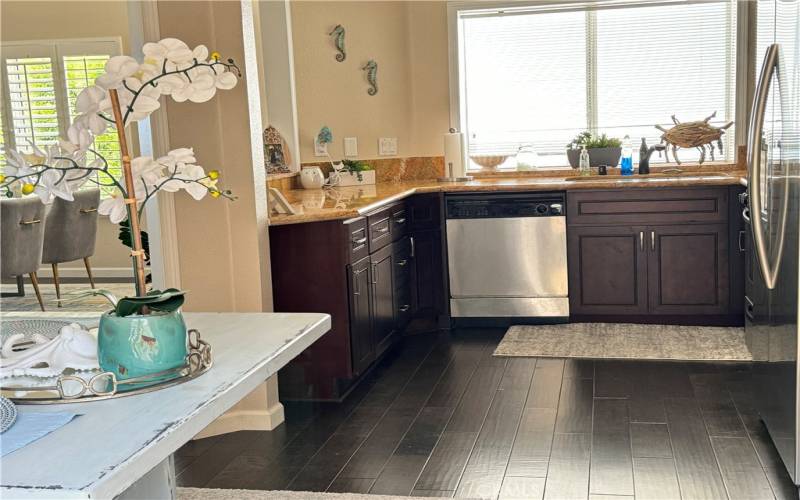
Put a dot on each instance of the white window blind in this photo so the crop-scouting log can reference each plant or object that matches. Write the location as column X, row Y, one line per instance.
column 540, row 76
column 41, row 82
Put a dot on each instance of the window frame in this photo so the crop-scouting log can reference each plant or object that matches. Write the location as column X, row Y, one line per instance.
column 56, row 50
column 745, row 39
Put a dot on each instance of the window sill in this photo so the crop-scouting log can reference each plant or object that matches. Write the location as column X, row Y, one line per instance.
column 709, row 166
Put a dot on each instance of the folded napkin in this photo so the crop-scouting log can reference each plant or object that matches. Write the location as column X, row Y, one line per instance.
column 31, row 426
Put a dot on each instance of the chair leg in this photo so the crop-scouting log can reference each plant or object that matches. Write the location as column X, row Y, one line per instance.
column 88, row 270
column 35, row 283
column 58, row 285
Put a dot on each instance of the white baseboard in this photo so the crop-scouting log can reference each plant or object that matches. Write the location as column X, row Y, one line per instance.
column 245, row 420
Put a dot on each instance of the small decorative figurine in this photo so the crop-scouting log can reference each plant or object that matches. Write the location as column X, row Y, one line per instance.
column 275, row 155
column 372, row 76
column 699, row 134
column 338, row 40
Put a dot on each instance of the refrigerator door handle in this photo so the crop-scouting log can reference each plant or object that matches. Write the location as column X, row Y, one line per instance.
column 754, row 132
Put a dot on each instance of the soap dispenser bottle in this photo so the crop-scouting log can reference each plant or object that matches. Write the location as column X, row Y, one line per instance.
column 583, row 163
column 626, row 165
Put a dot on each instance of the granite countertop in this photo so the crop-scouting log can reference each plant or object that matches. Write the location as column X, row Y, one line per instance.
column 314, row 205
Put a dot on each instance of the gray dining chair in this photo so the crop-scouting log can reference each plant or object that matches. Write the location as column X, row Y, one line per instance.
column 21, row 238
column 70, row 232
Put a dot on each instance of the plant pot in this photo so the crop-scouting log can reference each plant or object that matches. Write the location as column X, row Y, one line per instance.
column 137, row 345
column 597, row 157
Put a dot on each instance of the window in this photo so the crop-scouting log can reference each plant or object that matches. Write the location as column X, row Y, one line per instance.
column 539, row 75
column 41, row 83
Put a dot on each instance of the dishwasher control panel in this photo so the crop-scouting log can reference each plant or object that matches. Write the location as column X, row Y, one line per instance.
column 500, row 205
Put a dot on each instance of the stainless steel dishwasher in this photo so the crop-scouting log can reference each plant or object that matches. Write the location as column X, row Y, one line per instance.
column 507, row 255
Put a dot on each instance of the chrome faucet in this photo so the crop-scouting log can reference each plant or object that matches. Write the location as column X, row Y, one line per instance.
column 645, row 153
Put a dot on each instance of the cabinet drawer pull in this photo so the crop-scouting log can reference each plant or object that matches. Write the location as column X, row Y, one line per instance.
column 405, row 307
column 653, row 241
column 641, row 241
column 374, row 274
column 402, row 263
column 356, row 287
column 383, row 230
column 400, row 220
column 413, row 247
column 29, row 222
column 87, row 210
column 742, row 247
column 359, row 241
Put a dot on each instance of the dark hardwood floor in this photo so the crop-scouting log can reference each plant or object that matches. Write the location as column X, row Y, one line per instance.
column 442, row 417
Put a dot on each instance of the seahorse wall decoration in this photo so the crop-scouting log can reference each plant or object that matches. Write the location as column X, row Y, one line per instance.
column 338, row 40
column 372, row 76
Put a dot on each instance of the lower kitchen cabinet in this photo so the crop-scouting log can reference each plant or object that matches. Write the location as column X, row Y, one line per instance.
column 670, row 261
column 364, row 273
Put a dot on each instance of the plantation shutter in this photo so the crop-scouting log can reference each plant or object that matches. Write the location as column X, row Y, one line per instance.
column 540, row 74
column 33, row 108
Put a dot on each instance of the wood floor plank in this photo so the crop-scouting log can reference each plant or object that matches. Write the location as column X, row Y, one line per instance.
column 483, row 474
column 650, row 441
column 741, row 469
column 522, row 488
column 546, row 386
column 351, row 485
column 612, row 379
column 399, row 475
column 655, row 479
column 528, row 468
column 471, row 410
column 446, row 463
column 568, row 472
column 611, row 471
column 647, row 410
column 579, row 368
column 716, row 405
column 782, row 486
column 535, row 435
column 433, row 493
column 575, row 406
column 695, row 462
column 610, row 415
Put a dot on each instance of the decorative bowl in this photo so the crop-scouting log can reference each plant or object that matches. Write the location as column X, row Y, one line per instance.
column 489, row 163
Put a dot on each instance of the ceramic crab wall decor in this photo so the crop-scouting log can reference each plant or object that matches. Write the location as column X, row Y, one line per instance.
column 699, row 134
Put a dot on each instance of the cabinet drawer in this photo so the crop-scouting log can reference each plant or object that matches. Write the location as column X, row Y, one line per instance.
column 357, row 239
column 648, row 206
column 399, row 221
column 379, row 229
column 402, row 263
column 403, row 310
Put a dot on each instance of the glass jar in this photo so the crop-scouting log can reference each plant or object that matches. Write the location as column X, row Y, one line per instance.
column 527, row 157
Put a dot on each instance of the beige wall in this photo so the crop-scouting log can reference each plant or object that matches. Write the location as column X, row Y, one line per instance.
column 220, row 243
column 408, row 40
column 33, row 20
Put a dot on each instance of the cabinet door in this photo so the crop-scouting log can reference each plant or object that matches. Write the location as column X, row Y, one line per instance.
column 361, row 340
column 382, row 291
column 428, row 296
column 607, row 270
column 688, row 271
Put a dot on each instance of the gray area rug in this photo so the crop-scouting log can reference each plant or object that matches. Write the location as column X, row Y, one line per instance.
column 216, row 494
column 626, row 341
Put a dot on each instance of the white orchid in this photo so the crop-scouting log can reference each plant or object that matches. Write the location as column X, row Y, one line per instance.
column 53, row 184
column 226, row 80
column 91, row 102
column 188, row 178
column 174, row 51
column 115, row 207
column 17, row 165
column 178, row 158
column 148, row 170
column 144, row 101
column 118, row 68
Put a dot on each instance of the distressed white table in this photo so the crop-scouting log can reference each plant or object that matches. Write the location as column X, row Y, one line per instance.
column 124, row 446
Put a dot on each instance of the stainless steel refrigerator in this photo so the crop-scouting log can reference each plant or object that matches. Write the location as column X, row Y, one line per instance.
column 772, row 215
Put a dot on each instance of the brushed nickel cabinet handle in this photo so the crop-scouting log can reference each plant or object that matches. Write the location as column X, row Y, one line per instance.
column 29, row 222
column 401, row 220
column 742, row 247
column 359, row 241
column 402, row 263
column 383, row 230
column 87, row 210
column 413, row 247
column 641, row 241
column 356, row 288
column 374, row 274
column 653, row 241
column 405, row 307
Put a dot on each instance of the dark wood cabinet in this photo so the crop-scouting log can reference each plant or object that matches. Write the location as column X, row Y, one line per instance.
column 428, row 289
column 688, row 269
column 382, row 295
column 607, row 270
column 655, row 255
column 361, row 338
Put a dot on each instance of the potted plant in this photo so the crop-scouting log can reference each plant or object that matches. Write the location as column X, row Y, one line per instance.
column 356, row 172
column 143, row 334
column 603, row 150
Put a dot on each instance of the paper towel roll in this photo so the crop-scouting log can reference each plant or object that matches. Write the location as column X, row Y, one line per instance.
column 454, row 154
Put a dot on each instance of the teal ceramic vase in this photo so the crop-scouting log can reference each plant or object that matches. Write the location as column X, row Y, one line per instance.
column 137, row 345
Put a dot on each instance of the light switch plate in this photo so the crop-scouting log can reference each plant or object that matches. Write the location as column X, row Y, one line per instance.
column 351, row 146
column 320, row 149
column 387, row 146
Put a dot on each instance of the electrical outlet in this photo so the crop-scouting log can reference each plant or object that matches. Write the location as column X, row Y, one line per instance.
column 320, row 149
column 387, row 146
column 351, row 146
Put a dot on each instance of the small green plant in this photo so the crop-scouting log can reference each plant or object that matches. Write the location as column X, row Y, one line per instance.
column 590, row 141
column 356, row 167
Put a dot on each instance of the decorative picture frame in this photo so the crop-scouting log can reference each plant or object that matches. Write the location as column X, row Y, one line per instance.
column 276, row 155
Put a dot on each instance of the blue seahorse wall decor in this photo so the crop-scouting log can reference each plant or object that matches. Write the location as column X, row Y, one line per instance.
column 338, row 40
column 372, row 76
